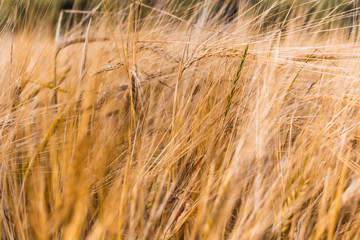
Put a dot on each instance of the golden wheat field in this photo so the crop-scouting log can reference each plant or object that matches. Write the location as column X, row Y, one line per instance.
column 190, row 125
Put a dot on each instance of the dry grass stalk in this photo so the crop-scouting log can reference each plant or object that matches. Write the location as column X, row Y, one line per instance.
column 84, row 54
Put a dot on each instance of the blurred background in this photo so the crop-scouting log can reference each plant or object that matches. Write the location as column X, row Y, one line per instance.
column 21, row 13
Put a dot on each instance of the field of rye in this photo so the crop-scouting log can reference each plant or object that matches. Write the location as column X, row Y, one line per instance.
column 115, row 124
